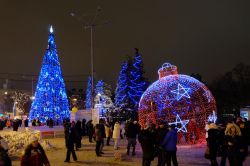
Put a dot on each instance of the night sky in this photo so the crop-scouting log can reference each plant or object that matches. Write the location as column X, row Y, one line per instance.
column 204, row 36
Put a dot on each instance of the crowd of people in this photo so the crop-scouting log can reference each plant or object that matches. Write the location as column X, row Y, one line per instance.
column 155, row 142
column 6, row 122
column 229, row 141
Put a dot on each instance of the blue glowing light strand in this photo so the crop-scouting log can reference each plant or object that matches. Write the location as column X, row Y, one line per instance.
column 181, row 92
column 212, row 117
column 89, row 99
column 183, row 124
column 50, row 97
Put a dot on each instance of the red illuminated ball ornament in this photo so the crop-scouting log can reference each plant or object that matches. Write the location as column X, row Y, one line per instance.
column 177, row 99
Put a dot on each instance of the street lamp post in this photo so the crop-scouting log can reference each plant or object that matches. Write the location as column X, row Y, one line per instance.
column 91, row 25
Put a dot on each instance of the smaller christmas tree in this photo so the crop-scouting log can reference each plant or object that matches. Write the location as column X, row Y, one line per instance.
column 89, row 98
column 123, row 103
column 138, row 83
column 103, row 96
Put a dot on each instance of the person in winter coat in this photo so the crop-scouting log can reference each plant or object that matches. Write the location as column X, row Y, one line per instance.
column 232, row 143
column 213, row 140
column 33, row 122
column 78, row 138
column 4, row 144
column 4, row 157
column 8, row 123
column 90, row 130
column 160, row 134
column 26, row 122
column 169, row 144
column 83, row 127
column 243, row 141
column 116, row 134
column 131, row 133
column 15, row 125
column 98, row 139
column 146, row 139
column 108, row 132
column 1, row 124
column 34, row 154
column 103, row 133
column 70, row 142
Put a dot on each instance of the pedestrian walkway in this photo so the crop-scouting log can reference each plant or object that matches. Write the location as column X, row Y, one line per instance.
column 186, row 155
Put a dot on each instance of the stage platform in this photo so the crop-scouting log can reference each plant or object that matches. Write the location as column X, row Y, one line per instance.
column 47, row 132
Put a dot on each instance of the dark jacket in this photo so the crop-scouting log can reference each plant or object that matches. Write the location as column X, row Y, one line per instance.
column 90, row 128
column 146, row 140
column 213, row 142
column 160, row 134
column 101, row 128
column 170, row 140
column 132, row 130
column 4, row 157
column 26, row 123
column 83, row 127
column 15, row 125
column 98, row 133
column 71, row 139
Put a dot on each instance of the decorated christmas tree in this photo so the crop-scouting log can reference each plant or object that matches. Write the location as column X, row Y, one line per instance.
column 103, row 96
column 50, row 97
column 89, row 99
column 137, row 84
column 123, row 103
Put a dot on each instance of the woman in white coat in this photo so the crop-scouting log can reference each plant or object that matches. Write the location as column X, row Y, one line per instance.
column 116, row 134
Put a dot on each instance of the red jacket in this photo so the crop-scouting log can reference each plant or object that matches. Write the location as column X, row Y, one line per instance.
column 34, row 156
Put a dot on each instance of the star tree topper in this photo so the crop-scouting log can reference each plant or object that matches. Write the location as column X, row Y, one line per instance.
column 183, row 123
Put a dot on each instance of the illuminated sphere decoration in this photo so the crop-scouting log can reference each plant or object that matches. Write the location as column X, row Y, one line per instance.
column 177, row 99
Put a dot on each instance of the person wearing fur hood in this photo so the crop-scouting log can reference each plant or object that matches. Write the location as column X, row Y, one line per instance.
column 232, row 143
column 34, row 154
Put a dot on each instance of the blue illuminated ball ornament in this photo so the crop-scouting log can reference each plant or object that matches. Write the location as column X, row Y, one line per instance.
column 178, row 99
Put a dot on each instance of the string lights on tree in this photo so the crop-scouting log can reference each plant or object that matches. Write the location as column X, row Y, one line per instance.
column 177, row 99
column 50, row 97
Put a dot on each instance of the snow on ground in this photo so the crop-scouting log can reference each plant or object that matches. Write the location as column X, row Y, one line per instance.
column 186, row 155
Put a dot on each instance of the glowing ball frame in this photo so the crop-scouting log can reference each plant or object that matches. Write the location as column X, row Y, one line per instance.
column 177, row 98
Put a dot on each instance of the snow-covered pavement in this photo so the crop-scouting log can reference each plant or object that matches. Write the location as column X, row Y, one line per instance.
column 187, row 155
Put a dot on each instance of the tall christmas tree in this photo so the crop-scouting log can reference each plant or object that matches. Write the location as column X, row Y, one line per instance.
column 50, row 96
column 138, row 83
column 122, row 100
column 89, row 98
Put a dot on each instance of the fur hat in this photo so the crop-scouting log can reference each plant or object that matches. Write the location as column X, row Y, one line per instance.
column 212, row 126
column 228, row 129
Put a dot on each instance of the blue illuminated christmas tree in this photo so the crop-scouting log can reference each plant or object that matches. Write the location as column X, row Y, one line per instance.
column 103, row 96
column 138, row 83
column 50, row 97
column 122, row 100
column 89, row 99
